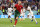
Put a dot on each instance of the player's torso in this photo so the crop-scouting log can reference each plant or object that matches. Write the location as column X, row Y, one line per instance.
column 18, row 7
column 9, row 10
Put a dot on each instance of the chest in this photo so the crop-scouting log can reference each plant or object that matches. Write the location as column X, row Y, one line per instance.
column 18, row 7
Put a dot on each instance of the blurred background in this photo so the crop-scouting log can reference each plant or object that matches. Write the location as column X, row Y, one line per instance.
column 5, row 4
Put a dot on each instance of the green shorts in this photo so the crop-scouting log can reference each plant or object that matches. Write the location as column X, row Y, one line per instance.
column 17, row 14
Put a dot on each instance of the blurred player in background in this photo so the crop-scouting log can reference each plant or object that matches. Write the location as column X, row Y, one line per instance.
column 17, row 9
column 10, row 13
column 31, row 14
column 22, row 14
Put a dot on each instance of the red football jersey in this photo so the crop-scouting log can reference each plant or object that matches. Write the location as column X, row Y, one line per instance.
column 19, row 7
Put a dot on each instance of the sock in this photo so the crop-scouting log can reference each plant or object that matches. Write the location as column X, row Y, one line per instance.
column 32, row 19
column 35, row 20
column 15, row 22
column 13, row 25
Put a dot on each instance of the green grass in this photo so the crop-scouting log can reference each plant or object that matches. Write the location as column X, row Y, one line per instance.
column 26, row 23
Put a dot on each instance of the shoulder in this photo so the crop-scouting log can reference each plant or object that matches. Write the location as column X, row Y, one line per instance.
column 21, row 6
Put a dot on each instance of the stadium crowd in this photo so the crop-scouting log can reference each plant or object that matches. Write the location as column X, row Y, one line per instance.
column 5, row 4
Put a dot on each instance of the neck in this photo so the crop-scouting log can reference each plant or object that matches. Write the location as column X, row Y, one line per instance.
column 18, row 4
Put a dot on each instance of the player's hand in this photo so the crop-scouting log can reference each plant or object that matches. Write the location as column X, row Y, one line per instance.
column 15, row 9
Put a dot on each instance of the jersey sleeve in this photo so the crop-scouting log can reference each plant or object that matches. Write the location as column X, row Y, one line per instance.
column 21, row 6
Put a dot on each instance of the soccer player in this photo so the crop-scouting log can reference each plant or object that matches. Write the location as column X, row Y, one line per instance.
column 10, row 13
column 22, row 14
column 31, row 14
column 17, row 9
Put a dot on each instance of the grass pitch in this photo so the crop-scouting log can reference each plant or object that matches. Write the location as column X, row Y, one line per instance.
column 5, row 22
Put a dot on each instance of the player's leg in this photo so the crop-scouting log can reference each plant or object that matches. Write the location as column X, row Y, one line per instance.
column 34, row 19
column 20, row 18
column 10, row 18
column 23, row 17
column 28, row 15
column 16, row 18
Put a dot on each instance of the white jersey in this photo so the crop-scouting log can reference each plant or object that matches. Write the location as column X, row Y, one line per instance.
column 30, row 13
column 29, row 8
column 10, row 11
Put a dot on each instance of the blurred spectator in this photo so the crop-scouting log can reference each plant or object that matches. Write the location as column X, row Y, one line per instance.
column 5, row 4
column 37, row 0
column 0, row 7
column 1, row 10
column 7, row 0
column 25, row 4
column 15, row 1
column 13, row 4
column 1, row 0
column 10, row 0
column 29, row 0
column 0, row 3
column 37, row 4
column 38, row 12
column 4, row 8
column 35, row 7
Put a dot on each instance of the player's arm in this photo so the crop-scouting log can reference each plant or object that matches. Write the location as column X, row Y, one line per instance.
column 21, row 7
column 14, row 8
